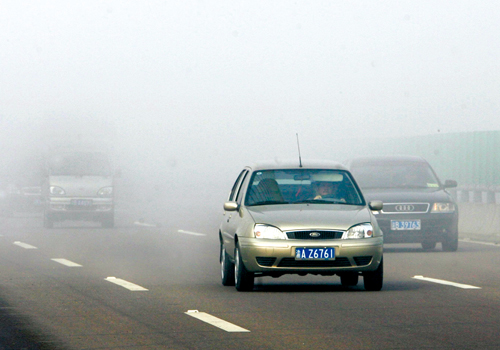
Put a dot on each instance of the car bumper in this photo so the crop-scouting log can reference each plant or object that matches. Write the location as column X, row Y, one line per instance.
column 434, row 228
column 65, row 209
column 277, row 257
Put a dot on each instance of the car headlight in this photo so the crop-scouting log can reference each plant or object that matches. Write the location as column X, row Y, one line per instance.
column 268, row 232
column 57, row 190
column 359, row 231
column 105, row 192
column 443, row 208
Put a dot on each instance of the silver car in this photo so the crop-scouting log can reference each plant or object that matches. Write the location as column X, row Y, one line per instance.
column 291, row 218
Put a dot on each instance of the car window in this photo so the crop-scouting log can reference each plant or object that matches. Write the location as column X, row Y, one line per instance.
column 293, row 186
column 395, row 175
column 233, row 192
column 239, row 192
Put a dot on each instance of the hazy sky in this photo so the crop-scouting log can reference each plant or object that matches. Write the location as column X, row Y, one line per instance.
column 204, row 80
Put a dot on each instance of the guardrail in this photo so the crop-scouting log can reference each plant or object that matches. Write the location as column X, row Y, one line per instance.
column 479, row 208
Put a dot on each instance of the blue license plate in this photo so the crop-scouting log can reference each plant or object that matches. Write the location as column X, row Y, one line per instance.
column 314, row 253
column 405, row 225
column 82, row 202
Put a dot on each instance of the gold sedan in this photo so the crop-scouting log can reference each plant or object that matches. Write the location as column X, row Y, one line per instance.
column 291, row 218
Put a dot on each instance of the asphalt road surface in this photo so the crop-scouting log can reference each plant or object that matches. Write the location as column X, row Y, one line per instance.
column 136, row 286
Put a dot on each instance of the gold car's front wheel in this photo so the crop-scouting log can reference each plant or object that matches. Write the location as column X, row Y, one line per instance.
column 243, row 279
column 226, row 267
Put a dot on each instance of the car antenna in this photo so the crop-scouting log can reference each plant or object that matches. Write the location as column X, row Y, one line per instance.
column 298, row 146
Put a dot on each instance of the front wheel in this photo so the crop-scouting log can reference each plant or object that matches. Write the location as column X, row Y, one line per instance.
column 226, row 267
column 243, row 279
column 374, row 280
column 427, row 245
column 48, row 222
column 349, row 279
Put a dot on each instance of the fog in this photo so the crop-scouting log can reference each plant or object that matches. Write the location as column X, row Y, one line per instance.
column 188, row 92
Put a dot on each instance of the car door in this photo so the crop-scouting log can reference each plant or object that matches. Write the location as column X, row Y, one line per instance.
column 232, row 219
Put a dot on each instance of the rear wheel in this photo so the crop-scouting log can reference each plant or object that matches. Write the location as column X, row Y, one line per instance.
column 374, row 280
column 450, row 244
column 428, row 245
column 349, row 279
column 226, row 267
column 243, row 279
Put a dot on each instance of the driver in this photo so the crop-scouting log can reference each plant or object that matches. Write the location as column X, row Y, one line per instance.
column 326, row 186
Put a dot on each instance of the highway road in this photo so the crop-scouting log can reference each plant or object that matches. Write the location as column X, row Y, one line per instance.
column 137, row 286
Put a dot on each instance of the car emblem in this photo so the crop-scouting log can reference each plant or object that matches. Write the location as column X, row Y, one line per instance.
column 405, row 207
column 315, row 234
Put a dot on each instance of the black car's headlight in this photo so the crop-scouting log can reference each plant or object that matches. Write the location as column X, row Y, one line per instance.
column 268, row 232
column 443, row 208
column 359, row 231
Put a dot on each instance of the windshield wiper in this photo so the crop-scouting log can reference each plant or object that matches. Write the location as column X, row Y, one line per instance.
column 267, row 202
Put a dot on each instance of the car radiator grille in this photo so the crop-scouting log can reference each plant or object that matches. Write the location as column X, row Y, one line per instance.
column 291, row 262
column 315, row 234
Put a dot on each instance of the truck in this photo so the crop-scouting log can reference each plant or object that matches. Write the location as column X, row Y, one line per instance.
column 78, row 186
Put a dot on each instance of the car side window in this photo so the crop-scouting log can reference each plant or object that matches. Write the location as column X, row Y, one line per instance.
column 232, row 194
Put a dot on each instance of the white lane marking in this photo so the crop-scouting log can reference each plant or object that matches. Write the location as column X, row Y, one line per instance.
column 191, row 233
column 479, row 242
column 24, row 245
column 138, row 223
column 458, row 285
column 66, row 262
column 125, row 284
column 215, row 321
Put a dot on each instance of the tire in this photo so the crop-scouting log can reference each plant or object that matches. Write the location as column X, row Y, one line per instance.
column 226, row 267
column 243, row 279
column 374, row 280
column 48, row 222
column 108, row 222
column 349, row 279
column 428, row 245
column 451, row 243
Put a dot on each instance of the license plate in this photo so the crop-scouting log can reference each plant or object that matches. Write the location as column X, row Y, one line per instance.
column 314, row 253
column 405, row 225
column 81, row 202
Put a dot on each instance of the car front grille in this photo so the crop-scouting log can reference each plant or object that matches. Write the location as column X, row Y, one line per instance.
column 362, row 260
column 406, row 208
column 291, row 262
column 318, row 234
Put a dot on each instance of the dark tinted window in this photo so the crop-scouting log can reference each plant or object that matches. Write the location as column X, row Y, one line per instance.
column 79, row 164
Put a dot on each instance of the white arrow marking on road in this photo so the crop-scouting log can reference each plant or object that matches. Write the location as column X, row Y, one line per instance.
column 458, row 285
column 24, row 245
column 130, row 286
column 66, row 262
column 191, row 233
column 215, row 321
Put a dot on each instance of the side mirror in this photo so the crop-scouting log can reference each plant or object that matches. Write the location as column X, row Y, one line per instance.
column 450, row 184
column 231, row 206
column 376, row 205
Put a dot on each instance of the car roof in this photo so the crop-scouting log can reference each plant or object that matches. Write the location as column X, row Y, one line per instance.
column 294, row 164
column 387, row 159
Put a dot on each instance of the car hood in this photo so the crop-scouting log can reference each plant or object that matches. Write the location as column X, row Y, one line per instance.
column 312, row 216
column 398, row 195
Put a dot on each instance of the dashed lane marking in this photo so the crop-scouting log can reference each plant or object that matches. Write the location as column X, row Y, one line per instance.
column 448, row 283
column 66, row 262
column 125, row 284
column 215, row 321
column 24, row 245
column 191, row 233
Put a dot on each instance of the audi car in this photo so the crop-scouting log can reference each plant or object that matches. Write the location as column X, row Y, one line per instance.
column 299, row 218
column 417, row 206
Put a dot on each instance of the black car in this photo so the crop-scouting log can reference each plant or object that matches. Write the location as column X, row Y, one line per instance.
column 417, row 207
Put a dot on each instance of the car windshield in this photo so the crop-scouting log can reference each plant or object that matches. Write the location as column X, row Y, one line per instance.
column 293, row 186
column 80, row 164
column 395, row 175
